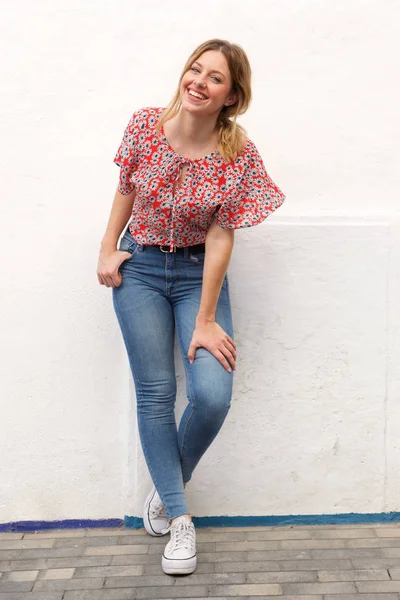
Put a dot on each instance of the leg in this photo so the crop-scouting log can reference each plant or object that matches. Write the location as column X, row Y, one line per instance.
column 147, row 323
column 209, row 385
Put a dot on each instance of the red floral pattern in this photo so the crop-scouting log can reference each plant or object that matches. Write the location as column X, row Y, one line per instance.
column 237, row 194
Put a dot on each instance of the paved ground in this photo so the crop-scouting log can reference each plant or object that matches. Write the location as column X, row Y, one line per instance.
column 294, row 563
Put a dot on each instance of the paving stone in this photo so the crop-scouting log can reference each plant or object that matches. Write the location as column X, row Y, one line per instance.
column 78, row 561
column 172, row 592
column 360, row 597
column 20, row 576
column 49, row 574
column 120, row 594
column 246, row 566
column 136, row 559
column 312, row 544
column 285, row 577
column 375, row 563
column 69, row 584
column 394, row 573
column 11, row 536
column 55, row 534
column 98, row 551
column 140, row 539
column 25, row 544
column 31, row 596
column 111, row 571
column 376, row 543
column 389, row 532
column 201, row 547
column 9, row 554
column 115, row 531
column 299, row 565
column 348, row 553
column 341, row 534
column 358, row 575
column 49, row 553
column 247, row 546
column 318, row 588
column 200, row 569
column 221, row 536
column 86, row 541
column 291, row 534
column 316, row 565
column 16, row 586
column 221, row 556
column 391, row 552
column 266, row 589
column 377, row 587
column 249, row 528
column 280, row 555
column 23, row 565
column 156, row 580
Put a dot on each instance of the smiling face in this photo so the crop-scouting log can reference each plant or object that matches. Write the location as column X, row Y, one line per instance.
column 207, row 86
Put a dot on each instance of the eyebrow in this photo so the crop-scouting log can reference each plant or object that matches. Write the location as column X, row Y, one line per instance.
column 213, row 71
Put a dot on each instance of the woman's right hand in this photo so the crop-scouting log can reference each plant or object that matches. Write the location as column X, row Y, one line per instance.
column 108, row 267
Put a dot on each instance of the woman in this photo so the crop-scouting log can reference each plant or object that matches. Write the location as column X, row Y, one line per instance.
column 189, row 177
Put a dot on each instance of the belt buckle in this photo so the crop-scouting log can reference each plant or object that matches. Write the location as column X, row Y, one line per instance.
column 166, row 251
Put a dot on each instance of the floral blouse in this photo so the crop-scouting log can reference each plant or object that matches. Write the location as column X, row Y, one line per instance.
column 166, row 211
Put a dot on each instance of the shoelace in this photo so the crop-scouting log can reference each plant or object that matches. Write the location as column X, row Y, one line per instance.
column 182, row 536
column 157, row 510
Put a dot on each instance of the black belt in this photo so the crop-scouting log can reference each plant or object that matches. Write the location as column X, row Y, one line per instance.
column 178, row 250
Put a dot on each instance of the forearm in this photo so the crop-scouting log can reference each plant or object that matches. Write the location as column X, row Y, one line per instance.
column 219, row 245
column 121, row 211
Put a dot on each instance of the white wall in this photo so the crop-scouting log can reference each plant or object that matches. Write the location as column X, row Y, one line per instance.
column 315, row 289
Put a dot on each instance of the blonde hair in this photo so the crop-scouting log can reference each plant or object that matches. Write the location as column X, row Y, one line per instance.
column 231, row 135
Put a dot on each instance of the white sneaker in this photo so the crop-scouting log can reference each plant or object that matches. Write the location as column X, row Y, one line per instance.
column 179, row 556
column 154, row 516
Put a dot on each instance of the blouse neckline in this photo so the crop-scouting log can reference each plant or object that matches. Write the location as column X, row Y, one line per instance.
column 213, row 154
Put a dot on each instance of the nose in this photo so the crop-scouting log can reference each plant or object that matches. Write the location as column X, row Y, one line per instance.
column 198, row 82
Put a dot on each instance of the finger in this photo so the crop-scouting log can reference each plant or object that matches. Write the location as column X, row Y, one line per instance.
column 192, row 352
column 107, row 281
column 231, row 348
column 100, row 279
column 229, row 356
column 218, row 354
column 231, row 341
column 116, row 279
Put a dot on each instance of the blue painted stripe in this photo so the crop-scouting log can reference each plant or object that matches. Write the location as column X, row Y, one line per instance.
column 67, row 524
column 223, row 521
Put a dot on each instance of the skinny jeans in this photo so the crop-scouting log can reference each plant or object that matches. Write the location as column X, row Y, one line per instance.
column 159, row 298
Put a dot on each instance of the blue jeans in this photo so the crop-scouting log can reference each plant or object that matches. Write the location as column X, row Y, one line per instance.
column 158, row 291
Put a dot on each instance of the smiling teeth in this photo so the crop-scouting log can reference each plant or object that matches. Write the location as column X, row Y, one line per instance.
column 197, row 95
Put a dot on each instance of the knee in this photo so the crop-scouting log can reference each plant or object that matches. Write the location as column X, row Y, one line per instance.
column 156, row 399
column 214, row 403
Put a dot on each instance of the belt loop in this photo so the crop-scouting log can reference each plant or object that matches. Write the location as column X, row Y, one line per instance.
column 186, row 252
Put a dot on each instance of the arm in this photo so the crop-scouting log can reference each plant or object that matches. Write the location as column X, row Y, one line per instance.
column 110, row 258
column 208, row 334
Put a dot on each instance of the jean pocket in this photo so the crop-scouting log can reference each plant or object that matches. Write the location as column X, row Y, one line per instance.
column 128, row 244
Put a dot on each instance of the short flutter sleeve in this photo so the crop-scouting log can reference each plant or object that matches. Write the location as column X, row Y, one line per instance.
column 127, row 154
column 253, row 196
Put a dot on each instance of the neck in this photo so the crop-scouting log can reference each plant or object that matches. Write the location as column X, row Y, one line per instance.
column 194, row 131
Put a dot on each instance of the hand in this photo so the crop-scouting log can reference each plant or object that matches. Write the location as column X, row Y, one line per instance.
column 107, row 268
column 211, row 336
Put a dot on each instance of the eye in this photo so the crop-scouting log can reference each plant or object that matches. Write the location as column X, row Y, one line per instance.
column 217, row 79
column 195, row 70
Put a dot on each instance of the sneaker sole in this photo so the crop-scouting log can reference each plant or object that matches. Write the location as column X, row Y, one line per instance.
column 146, row 518
column 179, row 567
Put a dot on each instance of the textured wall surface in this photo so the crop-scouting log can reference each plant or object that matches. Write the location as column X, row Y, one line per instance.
column 314, row 423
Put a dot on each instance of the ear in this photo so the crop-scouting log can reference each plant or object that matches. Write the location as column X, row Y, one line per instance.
column 231, row 99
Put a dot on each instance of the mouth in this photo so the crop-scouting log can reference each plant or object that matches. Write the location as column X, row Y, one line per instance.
column 196, row 95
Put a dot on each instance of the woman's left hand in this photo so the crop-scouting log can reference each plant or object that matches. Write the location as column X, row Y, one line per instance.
column 212, row 337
